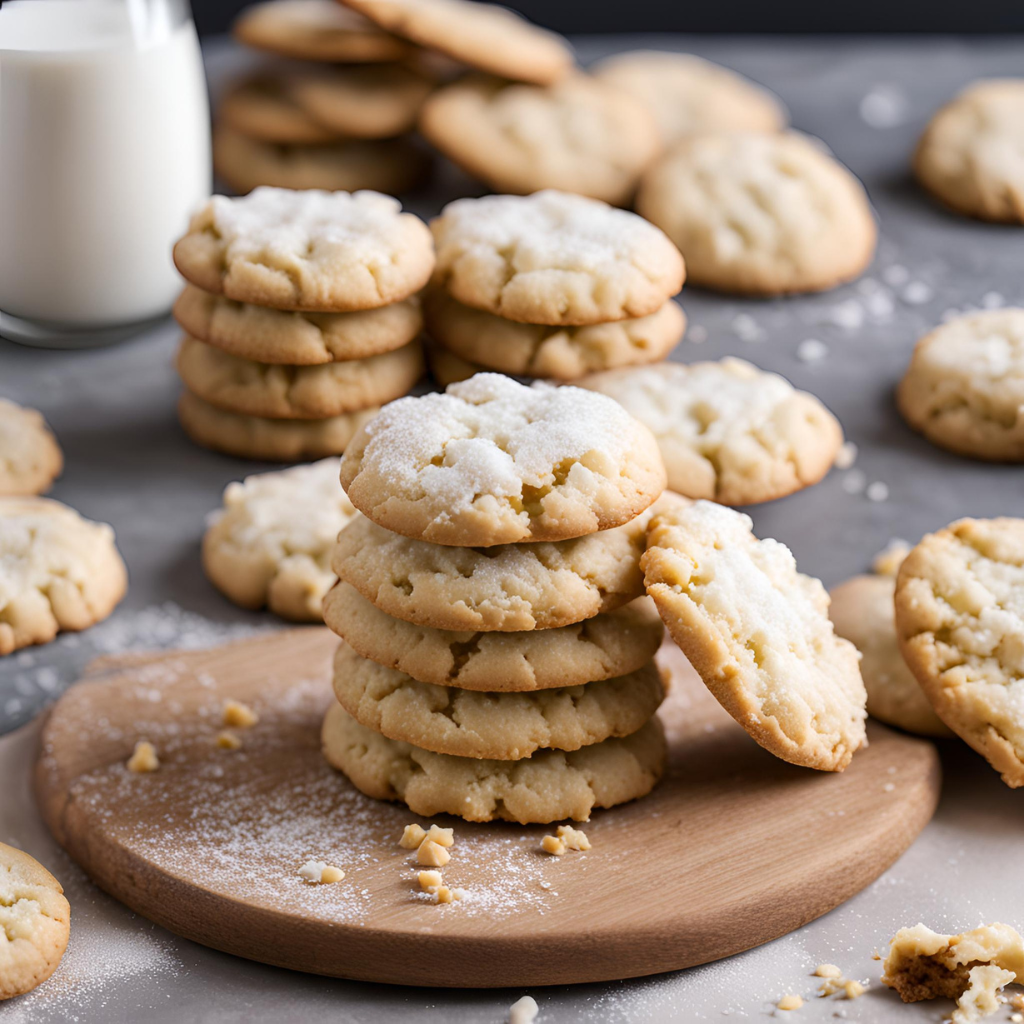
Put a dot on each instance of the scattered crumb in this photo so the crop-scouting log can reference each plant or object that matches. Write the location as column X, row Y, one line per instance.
column 889, row 787
column 227, row 740
column 442, row 894
column 412, row 837
column 846, row 456
column 790, row 1003
column 854, row 989
column 896, row 275
column 698, row 334
column 916, row 293
column 847, row 315
column 746, row 328
column 573, row 838
column 885, row 106
column 830, row 986
column 877, row 491
column 316, row 872
column 827, row 971
column 429, row 880
column 523, row 1011
column 143, row 758
column 238, row 715
column 811, row 351
column 888, row 561
column 854, row 481
column 1017, row 1001
column 1017, row 1017
column 441, row 836
column 992, row 300
column 553, row 845
column 432, row 854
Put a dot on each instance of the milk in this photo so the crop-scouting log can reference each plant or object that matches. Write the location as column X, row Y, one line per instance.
column 104, row 153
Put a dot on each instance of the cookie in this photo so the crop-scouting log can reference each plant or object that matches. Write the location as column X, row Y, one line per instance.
column 270, row 545
column 728, row 431
column 549, row 786
column 58, row 571
column 578, row 135
column 319, row 251
column 347, row 165
column 760, row 214
column 447, row 368
column 315, row 30
column 35, row 920
column 296, row 392
column 758, row 633
column 502, row 726
column 554, row 258
column 613, row 644
column 558, row 353
column 30, row 458
column 256, row 437
column 492, row 461
column 969, row 155
column 691, row 96
column 482, row 35
column 262, row 107
column 296, row 339
column 964, row 388
column 511, row 588
column 960, row 623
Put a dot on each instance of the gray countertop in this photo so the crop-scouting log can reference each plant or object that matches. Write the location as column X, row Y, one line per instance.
column 128, row 463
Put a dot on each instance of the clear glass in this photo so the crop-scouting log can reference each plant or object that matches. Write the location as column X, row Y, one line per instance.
column 104, row 153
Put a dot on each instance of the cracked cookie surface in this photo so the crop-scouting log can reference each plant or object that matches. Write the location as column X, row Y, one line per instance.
column 30, row 458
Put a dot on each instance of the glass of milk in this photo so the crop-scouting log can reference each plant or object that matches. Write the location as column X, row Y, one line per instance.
column 104, row 153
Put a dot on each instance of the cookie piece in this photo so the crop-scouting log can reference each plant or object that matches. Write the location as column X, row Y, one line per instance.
column 578, row 135
column 728, row 431
column 692, row 96
column 758, row 633
column 447, row 368
column 482, row 35
column 760, row 214
column 58, row 571
column 256, row 437
column 262, row 107
column 502, row 726
column 960, row 623
column 549, row 786
column 558, row 353
column 30, row 458
column 296, row 339
column 492, row 461
column 316, row 30
column 270, row 545
column 969, row 156
column 318, row 251
column 554, row 258
column 964, row 387
column 613, row 644
column 296, row 392
column 35, row 920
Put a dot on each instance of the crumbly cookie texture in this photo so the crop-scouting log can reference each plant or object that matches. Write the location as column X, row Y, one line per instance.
column 758, row 633
column 271, row 543
column 258, row 437
column 481, row 35
column 492, row 462
column 612, row 644
column 558, row 353
column 692, row 96
column 262, row 106
column 970, row 154
column 30, row 458
column 728, row 431
column 296, row 392
column 552, row 785
column 960, row 623
column 760, row 214
column 57, row 571
column 501, row 726
column 34, row 921
column 554, row 258
column 964, row 388
column 309, row 250
column 579, row 135
column 296, row 339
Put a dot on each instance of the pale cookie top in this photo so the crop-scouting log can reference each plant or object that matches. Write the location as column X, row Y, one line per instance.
column 760, row 214
column 579, row 135
column 690, row 96
column 482, row 35
column 491, row 462
column 960, row 621
column 728, row 431
column 554, row 258
column 271, row 543
column 964, row 388
column 758, row 633
column 34, row 922
column 311, row 250
column 30, row 458
column 972, row 153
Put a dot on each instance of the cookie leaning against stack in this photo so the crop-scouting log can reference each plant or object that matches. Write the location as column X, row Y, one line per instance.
column 301, row 318
column 498, row 651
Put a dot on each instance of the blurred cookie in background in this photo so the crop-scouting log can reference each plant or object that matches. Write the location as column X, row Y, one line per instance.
column 30, row 458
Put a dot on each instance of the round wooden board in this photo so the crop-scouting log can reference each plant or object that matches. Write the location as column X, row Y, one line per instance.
column 733, row 848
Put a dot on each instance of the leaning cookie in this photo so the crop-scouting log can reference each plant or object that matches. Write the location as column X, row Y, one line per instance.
column 30, row 458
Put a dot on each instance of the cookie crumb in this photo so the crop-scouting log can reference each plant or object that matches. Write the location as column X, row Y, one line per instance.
column 432, row 854
column 523, row 1011
column 573, row 838
column 854, row 482
column 790, row 1002
column 553, row 845
column 846, row 456
column 316, row 872
column 227, row 740
column 827, row 971
column 811, row 351
column 143, row 758
column 854, row 989
column 429, row 880
column 917, row 293
column 442, row 894
column 441, row 836
column 412, row 837
column 238, row 715
column 1017, row 1017
column 877, row 491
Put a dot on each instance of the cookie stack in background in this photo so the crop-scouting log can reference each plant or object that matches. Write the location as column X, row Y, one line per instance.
column 498, row 654
column 301, row 319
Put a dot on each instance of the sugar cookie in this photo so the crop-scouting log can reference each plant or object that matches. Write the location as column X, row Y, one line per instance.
column 261, row 106
column 30, row 458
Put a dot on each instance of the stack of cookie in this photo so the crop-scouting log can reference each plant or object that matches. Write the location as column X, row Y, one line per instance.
column 551, row 285
column 498, row 650
column 301, row 318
